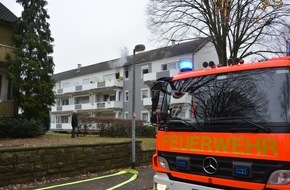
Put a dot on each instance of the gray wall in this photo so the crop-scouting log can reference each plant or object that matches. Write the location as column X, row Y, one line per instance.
column 22, row 165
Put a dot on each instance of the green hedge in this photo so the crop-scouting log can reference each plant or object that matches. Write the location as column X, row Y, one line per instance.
column 20, row 128
column 112, row 127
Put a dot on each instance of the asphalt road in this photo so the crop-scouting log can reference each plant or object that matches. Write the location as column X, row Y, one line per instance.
column 144, row 181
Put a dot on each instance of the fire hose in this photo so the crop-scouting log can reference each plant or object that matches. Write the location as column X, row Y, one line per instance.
column 131, row 171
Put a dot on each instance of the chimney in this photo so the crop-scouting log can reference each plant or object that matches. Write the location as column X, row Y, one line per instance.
column 79, row 67
column 173, row 42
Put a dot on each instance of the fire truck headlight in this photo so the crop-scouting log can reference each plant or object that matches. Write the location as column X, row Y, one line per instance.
column 163, row 162
column 279, row 177
column 158, row 186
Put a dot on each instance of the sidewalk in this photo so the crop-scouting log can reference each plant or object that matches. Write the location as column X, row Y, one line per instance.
column 144, row 181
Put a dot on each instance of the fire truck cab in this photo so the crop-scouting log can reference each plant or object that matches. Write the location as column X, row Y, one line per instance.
column 223, row 127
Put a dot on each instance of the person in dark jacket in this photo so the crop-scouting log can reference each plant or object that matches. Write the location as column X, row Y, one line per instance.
column 74, row 124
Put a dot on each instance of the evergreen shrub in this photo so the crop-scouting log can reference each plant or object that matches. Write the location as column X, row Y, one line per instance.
column 20, row 128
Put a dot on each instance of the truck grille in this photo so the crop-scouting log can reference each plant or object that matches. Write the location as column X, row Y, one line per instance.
column 229, row 168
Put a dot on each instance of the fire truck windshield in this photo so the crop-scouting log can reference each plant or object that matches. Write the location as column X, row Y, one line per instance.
column 254, row 100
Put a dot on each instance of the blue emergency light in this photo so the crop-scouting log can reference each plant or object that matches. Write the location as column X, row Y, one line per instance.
column 185, row 65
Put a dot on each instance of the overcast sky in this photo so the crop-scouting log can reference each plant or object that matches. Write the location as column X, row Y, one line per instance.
column 91, row 31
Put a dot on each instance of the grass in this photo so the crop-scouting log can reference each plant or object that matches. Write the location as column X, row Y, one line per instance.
column 50, row 139
column 147, row 143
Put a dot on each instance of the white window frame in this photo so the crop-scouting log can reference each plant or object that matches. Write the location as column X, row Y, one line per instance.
column 109, row 77
column 169, row 65
column 86, row 81
column 162, row 67
column 142, row 93
column 146, row 67
column 126, row 115
column 65, row 84
column 126, row 96
column 148, row 115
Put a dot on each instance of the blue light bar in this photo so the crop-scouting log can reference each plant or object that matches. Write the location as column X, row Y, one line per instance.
column 241, row 171
column 185, row 65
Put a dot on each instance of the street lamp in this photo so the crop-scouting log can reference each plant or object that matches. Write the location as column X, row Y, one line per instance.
column 138, row 48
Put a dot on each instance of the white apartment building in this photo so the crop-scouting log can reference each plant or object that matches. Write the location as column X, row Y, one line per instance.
column 105, row 89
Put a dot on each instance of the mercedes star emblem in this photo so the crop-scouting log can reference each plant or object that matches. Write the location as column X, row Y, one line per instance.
column 210, row 165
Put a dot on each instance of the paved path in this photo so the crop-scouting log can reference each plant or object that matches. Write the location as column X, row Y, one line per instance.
column 144, row 181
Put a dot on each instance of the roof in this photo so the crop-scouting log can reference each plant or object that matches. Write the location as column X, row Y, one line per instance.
column 6, row 16
column 147, row 56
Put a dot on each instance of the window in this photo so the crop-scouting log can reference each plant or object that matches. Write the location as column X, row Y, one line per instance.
column 164, row 67
column 126, row 96
column 65, row 84
column 109, row 77
column 65, row 102
column 57, row 85
column 58, row 102
column 171, row 65
column 86, row 81
column 145, row 70
column 61, row 102
column 126, row 115
column 119, row 95
column 64, row 119
column 126, row 74
column 109, row 97
column 144, row 93
column 145, row 116
column 118, row 114
column 82, row 100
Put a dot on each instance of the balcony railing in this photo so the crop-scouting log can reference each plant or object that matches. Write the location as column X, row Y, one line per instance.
column 60, row 126
column 147, row 101
column 86, row 87
column 6, row 108
column 88, row 106
column 4, row 50
column 149, row 78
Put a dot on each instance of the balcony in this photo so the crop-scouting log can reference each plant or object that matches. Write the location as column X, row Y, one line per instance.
column 96, row 86
column 6, row 109
column 4, row 50
column 149, row 78
column 147, row 102
column 186, row 99
column 109, row 105
column 61, row 127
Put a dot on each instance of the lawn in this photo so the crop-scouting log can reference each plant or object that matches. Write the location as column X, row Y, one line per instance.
column 50, row 139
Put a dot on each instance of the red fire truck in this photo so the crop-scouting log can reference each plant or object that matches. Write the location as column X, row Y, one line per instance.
column 223, row 127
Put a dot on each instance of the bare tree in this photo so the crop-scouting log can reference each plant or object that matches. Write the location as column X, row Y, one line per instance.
column 238, row 28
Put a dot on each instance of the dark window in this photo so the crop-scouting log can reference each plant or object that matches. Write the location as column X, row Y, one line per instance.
column 164, row 67
column 126, row 74
column 145, row 71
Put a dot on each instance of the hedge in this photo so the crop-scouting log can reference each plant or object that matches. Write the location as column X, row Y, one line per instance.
column 114, row 127
column 20, row 128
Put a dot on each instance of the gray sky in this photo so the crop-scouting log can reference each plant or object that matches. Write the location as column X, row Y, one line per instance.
column 91, row 31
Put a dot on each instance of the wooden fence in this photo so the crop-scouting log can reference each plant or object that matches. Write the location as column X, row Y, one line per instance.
column 6, row 108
